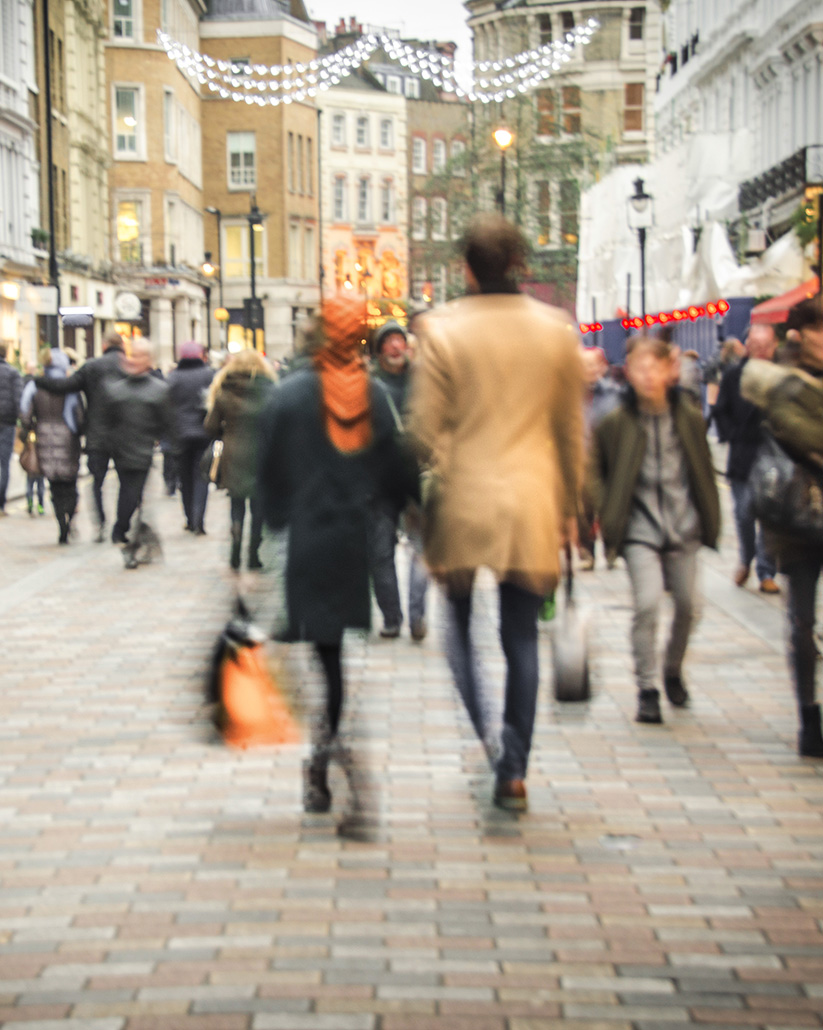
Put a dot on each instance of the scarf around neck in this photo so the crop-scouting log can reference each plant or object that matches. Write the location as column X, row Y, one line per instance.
column 344, row 380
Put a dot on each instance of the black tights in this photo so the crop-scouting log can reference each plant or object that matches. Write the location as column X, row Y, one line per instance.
column 330, row 659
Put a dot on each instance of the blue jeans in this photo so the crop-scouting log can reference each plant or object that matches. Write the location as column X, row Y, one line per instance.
column 37, row 483
column 749, row 533
column 384, row 522
column 6, row 450
column 803, row 575
column 518, row 635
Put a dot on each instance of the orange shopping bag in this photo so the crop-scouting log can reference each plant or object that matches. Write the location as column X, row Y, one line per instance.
column 253, row 710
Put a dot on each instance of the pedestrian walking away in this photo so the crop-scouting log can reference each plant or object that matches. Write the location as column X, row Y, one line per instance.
column 329, row 448
column 497, row 410
column 236, row 399
column 393, row 371
column 137, row 414
column 792, row 400
column 189, row 386
column 92, row 379
column 11, row 391
column 739, row 423
column 654, row 488
column 57, row 422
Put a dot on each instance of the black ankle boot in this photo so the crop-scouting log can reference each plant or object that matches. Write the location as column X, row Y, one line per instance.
column 648, row 706
column 236, row 541
column 316, row 793
column 810, row 738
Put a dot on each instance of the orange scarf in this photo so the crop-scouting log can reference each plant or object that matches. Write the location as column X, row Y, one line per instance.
column 343, row 378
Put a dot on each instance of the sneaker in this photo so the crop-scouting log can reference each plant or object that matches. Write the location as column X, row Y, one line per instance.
column 648, row 707
column 586, row 561
column 676, row 690
column 419, row 629
column 41, row 510
column 511, row 795
column 30, row 505
column 741, row 575
column 390, row 632
column 768, row 586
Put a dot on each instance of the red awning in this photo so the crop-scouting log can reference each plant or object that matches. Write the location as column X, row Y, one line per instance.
column 777, row 308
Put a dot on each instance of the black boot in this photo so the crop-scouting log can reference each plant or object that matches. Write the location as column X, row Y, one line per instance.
column 254, row 549
column 648, row 706
column 810, row 738
column 316, row 793
column 236, row 541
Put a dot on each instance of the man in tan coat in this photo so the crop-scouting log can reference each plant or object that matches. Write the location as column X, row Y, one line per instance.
column 497, row 411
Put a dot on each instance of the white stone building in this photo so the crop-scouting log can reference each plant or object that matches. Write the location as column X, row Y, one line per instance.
column 739, row 104
column 364, row 189
column 20, row 300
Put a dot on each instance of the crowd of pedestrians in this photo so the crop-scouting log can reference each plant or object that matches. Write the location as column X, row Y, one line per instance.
column 489, row 439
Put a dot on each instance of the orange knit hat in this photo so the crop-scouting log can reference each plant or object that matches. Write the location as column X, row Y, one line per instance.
column 343, row 376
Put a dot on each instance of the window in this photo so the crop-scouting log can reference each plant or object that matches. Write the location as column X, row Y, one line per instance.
column 240, row 147
column 364, row 199
column 387, row 202
column 412, row 89
column 236, row 250
column 295, row 255
column 238, row 65
column 418, row 218
column 439, row 284
column 567, row 20
column 438, row 218
column 290, row 161
column 338, row 130
column 386, row 134
column 544, row 28
column 309, row 166
column 571, row 110
column 458, row 158
column 546, row 121
column 309, row 268
column 9, row 27
column 339, row 198
column 633, row 111
column 126, row 101
column 301, row 166
column 123, row 24
column 362, row 136
column 129, row 245
column 569, row 202
column 637, row 20
column 438, row 155
column 169, row 127
column 393, row 84
column 543, row 213
column 419, row 156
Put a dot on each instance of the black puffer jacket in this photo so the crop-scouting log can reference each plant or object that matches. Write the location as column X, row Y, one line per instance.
column 235, row 418
column 137, row 414
column 189, row 385
column 11, row 390
column 92, row 378
column 738, row 422
column 58, row 448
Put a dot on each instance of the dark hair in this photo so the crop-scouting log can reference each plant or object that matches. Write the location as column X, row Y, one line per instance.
column 495, row 250
column 659, row 347
column 3, row 350
column 805, row 314
column 112, row 339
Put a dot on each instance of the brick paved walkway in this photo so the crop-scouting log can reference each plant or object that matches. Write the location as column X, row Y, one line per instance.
column 149, row 878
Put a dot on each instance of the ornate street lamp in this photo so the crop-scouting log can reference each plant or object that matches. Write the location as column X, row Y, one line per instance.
column 640, row 210
column 208, row 270
column 218, row 214
column 504, row 139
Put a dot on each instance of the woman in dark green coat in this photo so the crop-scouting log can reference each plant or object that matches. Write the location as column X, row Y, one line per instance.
column 329, row 449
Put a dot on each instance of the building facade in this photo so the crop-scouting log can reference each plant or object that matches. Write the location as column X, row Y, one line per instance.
column 593, row 114
column 364, row 201
column 22, row 298
column 262, row 161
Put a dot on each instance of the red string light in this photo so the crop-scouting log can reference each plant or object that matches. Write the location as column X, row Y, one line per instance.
column 693, row 312
column 590, row 327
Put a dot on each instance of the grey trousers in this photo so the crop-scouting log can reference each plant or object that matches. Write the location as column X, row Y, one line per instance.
column 652, row 573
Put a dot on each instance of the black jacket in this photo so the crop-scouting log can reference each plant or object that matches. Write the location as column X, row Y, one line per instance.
column 738, row 422
column 92, row 378
column 137, row 413
column 189, row 385
column 11, row 390
column 235, row 419
column 324, row 497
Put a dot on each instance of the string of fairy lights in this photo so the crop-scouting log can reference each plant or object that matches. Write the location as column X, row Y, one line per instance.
column 263, row 84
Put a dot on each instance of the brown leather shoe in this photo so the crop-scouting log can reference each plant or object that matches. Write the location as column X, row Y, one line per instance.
column 768, row 586
column 741, row 575
column 511, row 795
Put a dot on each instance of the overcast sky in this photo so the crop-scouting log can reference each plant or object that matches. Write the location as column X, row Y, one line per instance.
column 423, row 19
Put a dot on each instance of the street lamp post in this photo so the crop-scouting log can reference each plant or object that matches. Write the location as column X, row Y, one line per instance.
column 255, row 220
column 218, row 214
column 208, row 270
column 504, row 139
column 641, row 217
